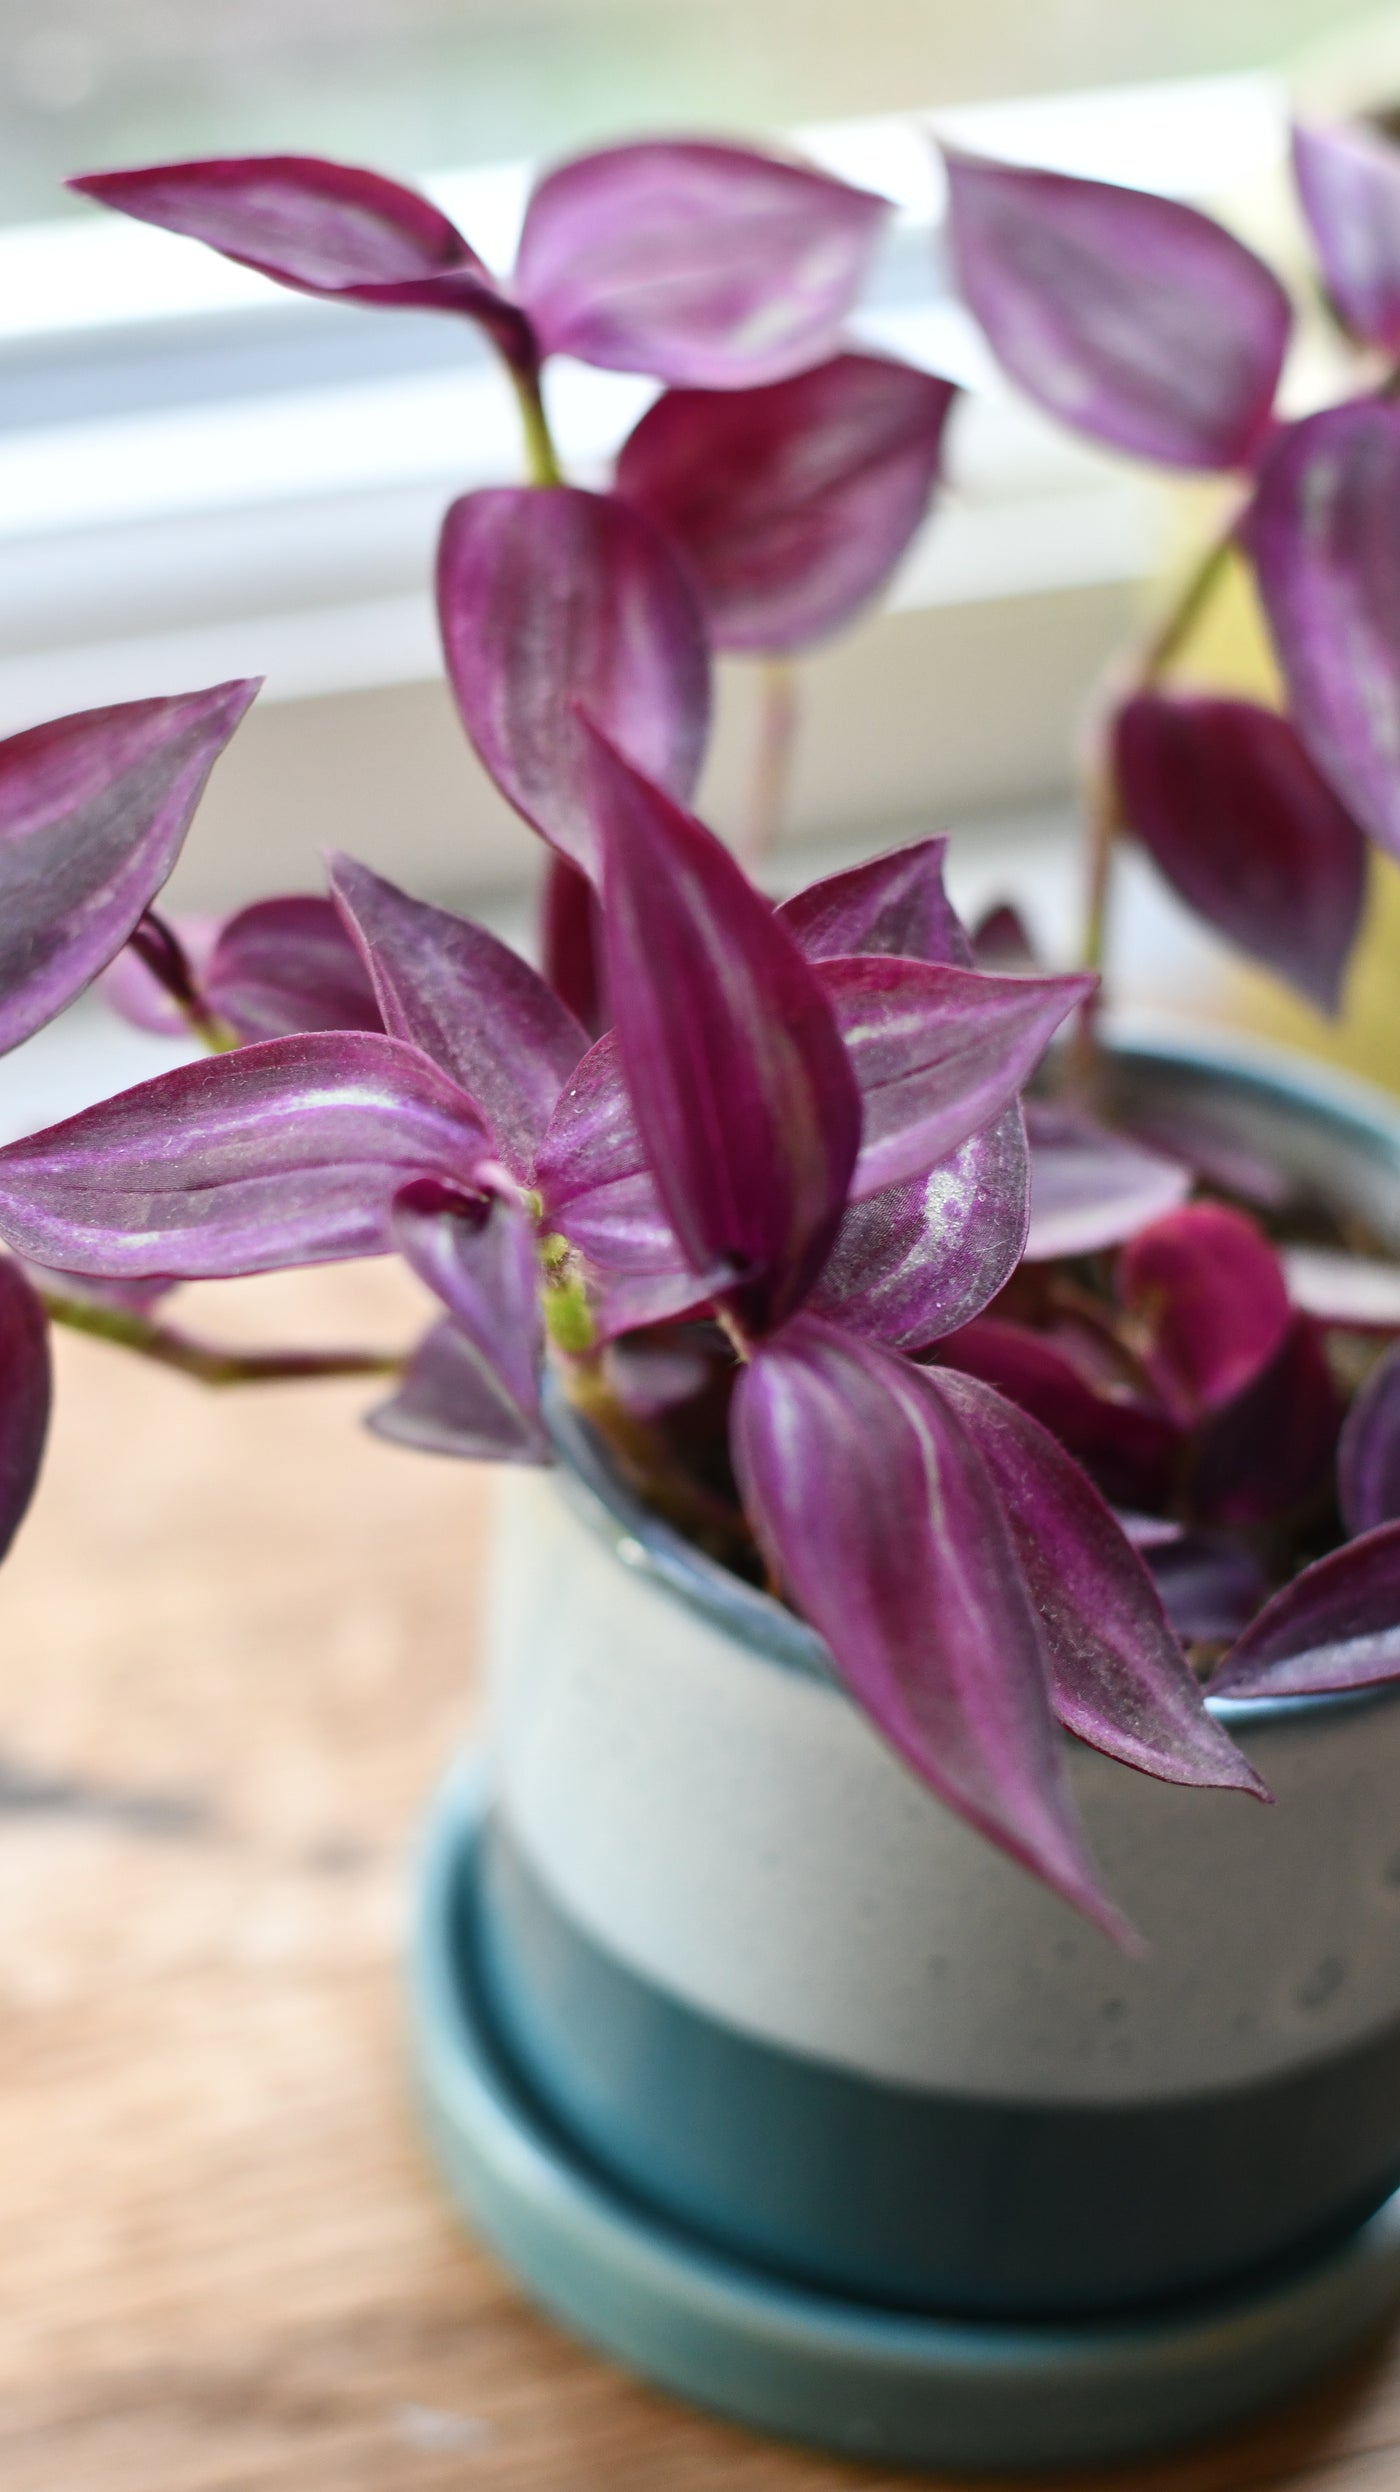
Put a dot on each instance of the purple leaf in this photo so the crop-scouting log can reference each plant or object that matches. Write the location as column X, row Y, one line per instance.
column 321, row 228
column 707, row 266
column 925, row 1257
column 1127, row 1443
column 287, row 1152
column 879, row 1516
column 1337, row 1625
column 1000, row 940
column 1091, row 1188
column 25, row 1397
column 791, row 504
column 1368, row 1451
column 1349, row 184
column 287, row 965
column 741, row 1088
column 93, row 813
column 895, row 904
column 1324, row 535
column 130, row 986
column 1132, row 318
column 477, row 1254
column 472, row 1005
column 1353, row 1293
column 1119, row 1679
column 1210, row 1584
column 552, row 598
column 593, row 1176
column 448, row 1403
column 1208, row 1302
column 571, row 944
column 937, row 1052
column 1268, row 1453
column 1243, row 827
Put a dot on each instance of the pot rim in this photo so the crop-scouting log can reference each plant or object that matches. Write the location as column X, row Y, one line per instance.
column 649, row 1546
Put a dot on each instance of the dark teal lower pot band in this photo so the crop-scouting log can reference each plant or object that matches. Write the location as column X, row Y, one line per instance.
column 925, row 2200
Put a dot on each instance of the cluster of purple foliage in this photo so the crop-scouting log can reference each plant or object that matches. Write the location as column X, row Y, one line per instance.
column 786, row 1147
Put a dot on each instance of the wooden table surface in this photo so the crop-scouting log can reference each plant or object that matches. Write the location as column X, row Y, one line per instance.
column 235, row 1649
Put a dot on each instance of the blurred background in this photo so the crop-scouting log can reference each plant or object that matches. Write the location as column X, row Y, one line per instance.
column 201, row 476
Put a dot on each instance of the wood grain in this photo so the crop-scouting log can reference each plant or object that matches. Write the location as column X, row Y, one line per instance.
column 235, row 1649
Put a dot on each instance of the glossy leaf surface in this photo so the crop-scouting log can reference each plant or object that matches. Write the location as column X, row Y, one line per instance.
column 1133, row 318
column 880, row 1517
column 1368, row 1454
column 1209, row 1304
column 1349, row 184
column 742, row 1092
column 711, row 267
column 320, row 227
column 1246, row 831
column 1091, row 1187
column 448, row 1403
column 1336, row 1625
column 470, row 1002
column 26, row 1391
column 551, row 601
column 93, row 814
column 1119, row 1678
column 286, row 1152
column 891, row 904
column 1324, row 534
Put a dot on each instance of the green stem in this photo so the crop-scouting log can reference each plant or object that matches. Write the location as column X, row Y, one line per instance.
column 203, row 1360
column 773, row 759
column 541, row 458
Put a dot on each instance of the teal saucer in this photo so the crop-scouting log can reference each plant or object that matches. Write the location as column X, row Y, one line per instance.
column 938, row 2393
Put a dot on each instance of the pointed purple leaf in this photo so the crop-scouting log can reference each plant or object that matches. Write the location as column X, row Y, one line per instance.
column 1091, row 1188
column 937, row 1052
column 1209, row 1304
column 322, row 228
column 547, row 598
column 1132, row 318
column 593, row 1176
column 286, row 1152
column 287, row 965
column 1268, row 1454
column 1000, row 940
column 571, row 944
column 93, row 814
column 130, row 986
column 1246, row 831
column 1337, row 1625
column 741, row 1088
column 477, row 1254
column 1349, row 184
column 894, row 903
column 791, row 504
column 1128, row 1444
column 1324, row 535
column 26, row 1392
column 1368, row 1451
column 1210, row 1584
column 926, row 1256
column 880, row 1518
column 1352, row 1293
column 1119, row 1679
column 447, row 1402
column 708, row 266
column 472, row 1005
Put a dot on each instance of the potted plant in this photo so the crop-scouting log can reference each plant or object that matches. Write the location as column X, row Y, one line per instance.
column 860, row 1984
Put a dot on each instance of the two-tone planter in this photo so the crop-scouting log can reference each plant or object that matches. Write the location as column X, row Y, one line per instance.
column 773, row 2079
